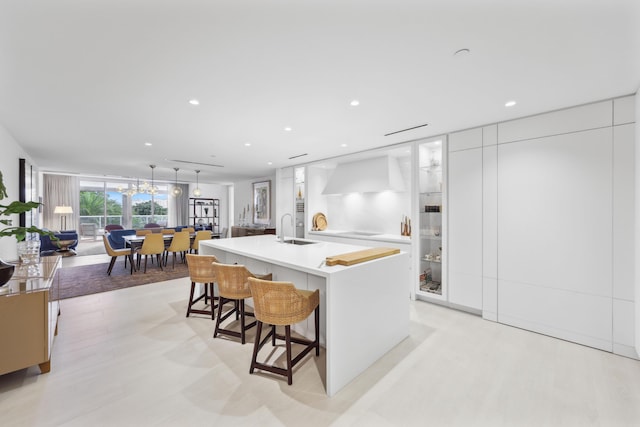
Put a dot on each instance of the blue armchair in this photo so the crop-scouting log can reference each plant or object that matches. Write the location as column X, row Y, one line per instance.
column 47, row 246
column 116, row 238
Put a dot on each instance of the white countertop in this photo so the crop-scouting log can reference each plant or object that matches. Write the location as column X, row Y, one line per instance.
column 307, row 258
column 352, row 234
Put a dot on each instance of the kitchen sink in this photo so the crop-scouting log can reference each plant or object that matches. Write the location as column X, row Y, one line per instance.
column 299, row 242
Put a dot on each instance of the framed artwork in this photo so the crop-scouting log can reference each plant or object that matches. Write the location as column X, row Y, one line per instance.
column 262, row 202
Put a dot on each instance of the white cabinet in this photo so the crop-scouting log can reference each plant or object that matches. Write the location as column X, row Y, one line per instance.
column 555, row 236
column 465, row 219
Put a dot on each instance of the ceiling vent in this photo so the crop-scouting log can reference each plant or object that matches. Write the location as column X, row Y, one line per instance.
column 366, row 176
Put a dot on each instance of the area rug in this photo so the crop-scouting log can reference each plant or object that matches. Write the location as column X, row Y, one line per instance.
column 93, row 279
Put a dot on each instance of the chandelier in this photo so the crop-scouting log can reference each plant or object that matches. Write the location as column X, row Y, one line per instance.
column 137, row 188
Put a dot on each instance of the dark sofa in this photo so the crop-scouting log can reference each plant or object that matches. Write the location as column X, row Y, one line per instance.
column 47, row 246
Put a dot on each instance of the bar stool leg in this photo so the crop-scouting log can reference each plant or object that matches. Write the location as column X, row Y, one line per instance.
column 242, row 331
column 256, row 347
column 193, row 286
column 213, row 307
column 287, row 332
column 317, row 316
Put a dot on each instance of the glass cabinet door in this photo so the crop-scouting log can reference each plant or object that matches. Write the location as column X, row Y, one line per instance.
column 432, row 226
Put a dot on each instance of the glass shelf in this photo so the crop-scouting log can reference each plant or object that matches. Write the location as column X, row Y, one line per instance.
column 431, row 201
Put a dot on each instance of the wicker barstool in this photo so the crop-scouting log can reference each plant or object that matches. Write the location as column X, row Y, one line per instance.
column 233, row 286
column 281, row 304
column 201, row 271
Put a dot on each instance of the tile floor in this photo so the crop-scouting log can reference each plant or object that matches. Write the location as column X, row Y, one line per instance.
column 131, row 358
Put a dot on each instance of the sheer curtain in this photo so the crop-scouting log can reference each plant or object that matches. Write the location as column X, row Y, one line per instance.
column 179, row 208
column 60, row 190
column 182, row 206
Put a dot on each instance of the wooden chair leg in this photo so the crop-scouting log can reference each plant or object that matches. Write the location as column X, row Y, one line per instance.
column 317, row 316
column 190, row 303
column 242, row 331
column 256, row 347
column 287, row 332
column 213, row 307
column 273, row 335
column 113, row 261
column 220, row 304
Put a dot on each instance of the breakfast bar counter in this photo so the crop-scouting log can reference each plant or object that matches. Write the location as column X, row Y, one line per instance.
column 364, row 308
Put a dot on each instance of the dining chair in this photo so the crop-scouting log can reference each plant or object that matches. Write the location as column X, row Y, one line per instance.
column 201, row 271
column 281, row 304
column 153, row 245
column 143, row 232
column 181, row 242
column 191, row 230
column 168, row 231
column 200, row 235
column 115, row 253
column 233, row 286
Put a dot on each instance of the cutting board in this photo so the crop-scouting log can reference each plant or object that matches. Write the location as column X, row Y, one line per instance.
column 360, row 256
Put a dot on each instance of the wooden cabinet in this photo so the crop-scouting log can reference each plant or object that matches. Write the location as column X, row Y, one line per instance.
column 238, row 231
column 29, row 311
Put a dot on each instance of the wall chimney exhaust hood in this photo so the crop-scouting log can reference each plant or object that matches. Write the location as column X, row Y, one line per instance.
column 366, row 176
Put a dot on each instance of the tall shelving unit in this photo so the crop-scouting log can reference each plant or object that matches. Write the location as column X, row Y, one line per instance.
column 431, row 245
column 299, row 178
column 204, row 214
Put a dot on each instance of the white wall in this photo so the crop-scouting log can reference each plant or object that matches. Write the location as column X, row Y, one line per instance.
column 215, row 191
column 243, row 197
column 9, row 155
column 284, row 202
column 375, row 212
column 637, row 222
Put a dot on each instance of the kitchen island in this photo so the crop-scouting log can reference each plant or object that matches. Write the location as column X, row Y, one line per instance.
column 364, row 308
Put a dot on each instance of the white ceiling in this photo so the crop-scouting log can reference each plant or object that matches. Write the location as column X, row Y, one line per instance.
column 83, row 84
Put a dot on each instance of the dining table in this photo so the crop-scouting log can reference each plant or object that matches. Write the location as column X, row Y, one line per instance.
column 135, row 242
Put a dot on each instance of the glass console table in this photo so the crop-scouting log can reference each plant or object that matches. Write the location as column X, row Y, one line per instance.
column 29, row 309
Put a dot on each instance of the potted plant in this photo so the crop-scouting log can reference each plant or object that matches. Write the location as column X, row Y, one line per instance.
column 20, row 233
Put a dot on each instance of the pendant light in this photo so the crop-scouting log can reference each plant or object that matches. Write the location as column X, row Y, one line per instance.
column 152, row 189
column 197, row 192
column 176, row 191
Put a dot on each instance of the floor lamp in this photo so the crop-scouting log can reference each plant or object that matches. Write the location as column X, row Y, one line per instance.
column 63, row 211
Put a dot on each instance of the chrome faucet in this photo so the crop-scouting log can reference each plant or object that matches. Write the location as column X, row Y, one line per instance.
column 282, row 226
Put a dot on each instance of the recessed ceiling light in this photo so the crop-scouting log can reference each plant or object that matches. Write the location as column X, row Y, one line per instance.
column 247, row 144
column 510, row 103
column 288, row 129
column 343, row 145
column 148, row 144
column 194, row 102
column 355, row 103
column 269, row 163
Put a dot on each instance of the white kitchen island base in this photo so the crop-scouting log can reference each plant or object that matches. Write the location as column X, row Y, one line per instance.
column 364, row 308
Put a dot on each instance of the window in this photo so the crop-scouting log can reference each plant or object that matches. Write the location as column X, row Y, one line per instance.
column 103, row 202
